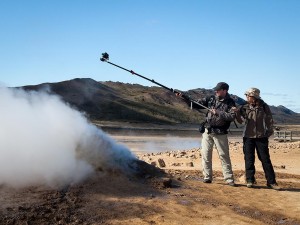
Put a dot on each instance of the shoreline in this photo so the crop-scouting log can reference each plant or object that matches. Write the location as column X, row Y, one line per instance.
column 155, row 138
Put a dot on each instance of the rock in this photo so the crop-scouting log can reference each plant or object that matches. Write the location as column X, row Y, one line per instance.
column 152, row 196
column 176, row 164
column 182, row 154
column 153, row 163
column 161, row 163
column 167, row 182
column 190, row 164
column 193, row 156
column 242, row 178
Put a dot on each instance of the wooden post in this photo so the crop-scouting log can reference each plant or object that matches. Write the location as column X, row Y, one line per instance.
column 283, row 135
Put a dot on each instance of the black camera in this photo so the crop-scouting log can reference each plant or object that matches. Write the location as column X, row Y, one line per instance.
column 104, row 57
column 202, row 127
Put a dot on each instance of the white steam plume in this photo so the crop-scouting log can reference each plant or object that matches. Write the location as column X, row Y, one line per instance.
column 44, row 141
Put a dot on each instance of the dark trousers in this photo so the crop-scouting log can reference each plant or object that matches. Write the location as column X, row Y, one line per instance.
column 262, row 148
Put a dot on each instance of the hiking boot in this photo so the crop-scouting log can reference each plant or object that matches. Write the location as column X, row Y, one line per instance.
column 274, row 186
column 249, row 184
column 207, row 181
column 232, row 184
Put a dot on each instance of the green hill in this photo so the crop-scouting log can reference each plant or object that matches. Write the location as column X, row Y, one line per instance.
column 115, row 101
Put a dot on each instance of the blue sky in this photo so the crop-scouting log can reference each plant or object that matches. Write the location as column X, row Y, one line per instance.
column 181, row 44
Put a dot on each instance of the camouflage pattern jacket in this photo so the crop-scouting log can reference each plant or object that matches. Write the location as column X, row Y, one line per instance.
column 218, row 123
column 258, row 120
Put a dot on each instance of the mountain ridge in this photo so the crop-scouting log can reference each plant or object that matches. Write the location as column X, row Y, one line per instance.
column 117, row 101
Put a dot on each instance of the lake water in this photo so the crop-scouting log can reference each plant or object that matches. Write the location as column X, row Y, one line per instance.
column 156, row 140
column 161, row 139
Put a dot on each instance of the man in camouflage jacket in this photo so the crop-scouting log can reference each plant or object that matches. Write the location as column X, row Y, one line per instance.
column 258, row 128
column 218, row 119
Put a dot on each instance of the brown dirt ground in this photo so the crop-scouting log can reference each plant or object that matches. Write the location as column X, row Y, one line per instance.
column 114, row 198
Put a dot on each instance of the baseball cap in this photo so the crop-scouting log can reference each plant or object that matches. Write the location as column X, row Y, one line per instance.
column 221, row 86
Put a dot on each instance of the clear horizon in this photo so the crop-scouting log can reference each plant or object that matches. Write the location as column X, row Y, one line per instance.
column 183, row 45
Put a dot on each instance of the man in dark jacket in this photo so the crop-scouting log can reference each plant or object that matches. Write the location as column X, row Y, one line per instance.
column 218, row 120
column 258, row 128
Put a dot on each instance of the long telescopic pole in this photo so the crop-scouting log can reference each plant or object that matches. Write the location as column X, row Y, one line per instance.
column 105, row 58
column 151, row 80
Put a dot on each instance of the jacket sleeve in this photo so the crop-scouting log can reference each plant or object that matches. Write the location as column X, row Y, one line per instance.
column 228, row 114
column 269, row 122
column 239, row 116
